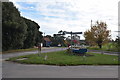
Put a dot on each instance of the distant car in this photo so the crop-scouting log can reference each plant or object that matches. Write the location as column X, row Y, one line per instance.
column 59, row 45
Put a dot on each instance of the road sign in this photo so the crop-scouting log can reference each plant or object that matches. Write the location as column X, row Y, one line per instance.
column 73, row 32
column 76, row 32
column 65, row 32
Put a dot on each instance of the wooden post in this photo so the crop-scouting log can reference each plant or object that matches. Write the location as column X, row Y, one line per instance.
column 39, row 49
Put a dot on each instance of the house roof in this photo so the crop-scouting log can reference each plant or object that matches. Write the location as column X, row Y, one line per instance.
column 47, row 39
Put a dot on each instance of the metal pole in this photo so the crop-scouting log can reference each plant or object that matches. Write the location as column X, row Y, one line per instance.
column 44, row 37
column 71, row 39
column 40, row 49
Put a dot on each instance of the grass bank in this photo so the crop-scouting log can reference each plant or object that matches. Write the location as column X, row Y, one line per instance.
column 63, row 58
column 19, row 50
column 107, row 47
column 29, row 49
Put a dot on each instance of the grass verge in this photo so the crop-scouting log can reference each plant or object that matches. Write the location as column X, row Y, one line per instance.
column 19, row 50
column 62, row 58
column 107, row 47
column 29, row 49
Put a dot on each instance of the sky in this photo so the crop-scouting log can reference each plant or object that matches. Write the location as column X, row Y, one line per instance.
column 70, row 15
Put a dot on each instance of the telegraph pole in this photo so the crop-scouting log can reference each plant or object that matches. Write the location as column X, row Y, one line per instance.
column 44, row 37
column 71, row 39
column 91, row 23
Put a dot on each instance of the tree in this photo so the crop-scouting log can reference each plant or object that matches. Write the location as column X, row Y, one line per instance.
column 13, row 27
column 39, row 38
column 118, row 43
column 18, row 32
column 98, row 34
column 33, row 36
column 58, row 39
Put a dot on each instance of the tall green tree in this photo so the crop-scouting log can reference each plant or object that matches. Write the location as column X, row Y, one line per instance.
column 39, row 38
column 13, row 27
column 98, row 34
column 17, row 31
column 59, row 38
column 33, row 34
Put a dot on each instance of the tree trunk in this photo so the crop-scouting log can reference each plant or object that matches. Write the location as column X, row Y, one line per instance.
column 100, row 46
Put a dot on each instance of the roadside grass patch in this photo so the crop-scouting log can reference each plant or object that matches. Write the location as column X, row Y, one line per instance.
column 19, row 50
column 62, row 58
column 29, row 49
column 107, row 47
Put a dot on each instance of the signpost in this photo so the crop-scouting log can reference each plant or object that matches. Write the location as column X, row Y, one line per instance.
column 65, row 32
column 72, row 34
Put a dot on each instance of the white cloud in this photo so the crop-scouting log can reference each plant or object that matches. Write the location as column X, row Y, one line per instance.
column 73, row 15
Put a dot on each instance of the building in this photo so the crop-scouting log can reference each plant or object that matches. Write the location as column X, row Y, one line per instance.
column 46, row 42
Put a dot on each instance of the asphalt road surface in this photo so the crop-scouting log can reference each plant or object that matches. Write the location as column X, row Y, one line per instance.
column 16, row 70
column 8, row 55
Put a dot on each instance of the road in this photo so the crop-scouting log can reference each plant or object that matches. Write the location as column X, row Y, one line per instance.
column 16, row 70
column 8, row 55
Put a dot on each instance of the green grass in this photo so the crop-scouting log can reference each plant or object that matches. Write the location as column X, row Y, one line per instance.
column 107, row 47
column 22, row 50
column 62, row 58
column 19, row 50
